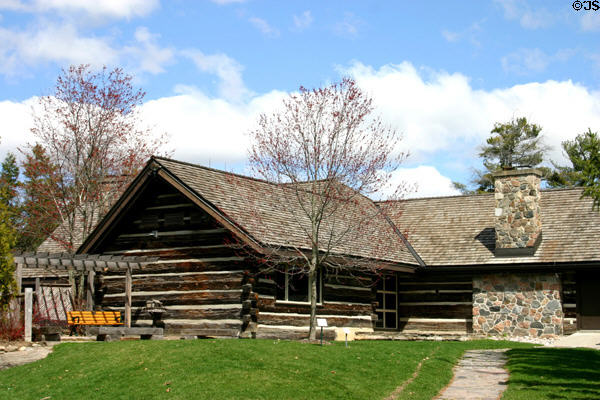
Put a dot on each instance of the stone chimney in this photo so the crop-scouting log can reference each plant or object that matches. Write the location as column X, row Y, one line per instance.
column 518, row 218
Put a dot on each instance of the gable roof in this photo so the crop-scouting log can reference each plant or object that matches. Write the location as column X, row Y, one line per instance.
column 254, row 209
column 460, row 230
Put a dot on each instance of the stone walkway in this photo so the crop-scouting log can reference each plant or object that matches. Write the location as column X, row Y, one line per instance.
column 480, row 374
column 23, row 356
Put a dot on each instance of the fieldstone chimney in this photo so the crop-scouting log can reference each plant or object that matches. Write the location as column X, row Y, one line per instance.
column 518, row 218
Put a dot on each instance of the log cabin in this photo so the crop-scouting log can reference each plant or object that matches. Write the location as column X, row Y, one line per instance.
column 518, row 262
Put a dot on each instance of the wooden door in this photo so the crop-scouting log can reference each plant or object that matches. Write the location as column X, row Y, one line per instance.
column 588, row 300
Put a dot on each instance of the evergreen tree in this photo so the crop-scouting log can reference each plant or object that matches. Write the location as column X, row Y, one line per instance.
column 517, row 143
column 584, row 154
column 9, row 175
column 39, row 212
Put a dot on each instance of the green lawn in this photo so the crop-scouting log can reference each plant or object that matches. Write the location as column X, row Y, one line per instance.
column 237, row 369
column 547, row 373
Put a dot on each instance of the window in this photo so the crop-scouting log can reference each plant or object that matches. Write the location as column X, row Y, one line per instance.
column 387, row 297
column 292, row 285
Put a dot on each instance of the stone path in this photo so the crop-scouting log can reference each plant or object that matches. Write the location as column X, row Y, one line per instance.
column 24, row 356
column 480, row 374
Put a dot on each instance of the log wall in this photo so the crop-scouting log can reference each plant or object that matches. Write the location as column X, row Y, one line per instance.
column 347, row 302
column 198, row 277
column 435, row 303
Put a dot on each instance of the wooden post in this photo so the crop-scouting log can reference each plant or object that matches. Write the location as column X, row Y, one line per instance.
column 128, row 297
column 19, row 276
column 28, row 313
column 90, row 290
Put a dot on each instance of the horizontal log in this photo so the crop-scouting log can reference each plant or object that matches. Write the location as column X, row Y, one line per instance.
column 214, row 313
column 445, row 311
column 337, row 308
column 181, row 283
column 185, row 232
column 436, row 297
column 205, row 333
column 304, row 320
column 290, row 333
column 410, row 287
column 435, row 325
column 196, row 297
column 216, row 250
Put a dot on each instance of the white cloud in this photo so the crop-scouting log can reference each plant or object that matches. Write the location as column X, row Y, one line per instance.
column 427, row 181
column 590, row 21
column 16, row 125
column 303, row 20
column 64, row 44
column 440, row 114
column 349, row 26
column 263, row 26
column 207, row 129
column 525, row 61
column 470, row 34
column 92, row 8
column 450, row 36
column 229, row 71
column 529, row 16
column 149, row 55
column 59, row 44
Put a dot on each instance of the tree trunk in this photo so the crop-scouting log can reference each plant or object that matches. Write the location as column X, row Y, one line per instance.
column 312, row 285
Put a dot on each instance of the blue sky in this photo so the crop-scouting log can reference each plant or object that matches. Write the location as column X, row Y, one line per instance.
column 440, row 72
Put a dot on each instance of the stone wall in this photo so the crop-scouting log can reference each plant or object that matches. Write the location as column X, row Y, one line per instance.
column 518, row 217
column 517, row 305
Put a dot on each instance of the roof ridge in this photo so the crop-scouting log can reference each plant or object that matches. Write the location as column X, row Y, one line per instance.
column 471, row 195
column 158, row 158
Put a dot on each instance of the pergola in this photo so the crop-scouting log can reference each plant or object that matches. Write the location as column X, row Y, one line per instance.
column 87, row 263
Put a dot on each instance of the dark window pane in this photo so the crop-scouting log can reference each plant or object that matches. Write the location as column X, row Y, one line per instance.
column 379, row 323
column 298, row 287
column 380, row 300
column 390, row 320
column 279, row 278
column 380, row 283
column 390, row 301
column 390, row 283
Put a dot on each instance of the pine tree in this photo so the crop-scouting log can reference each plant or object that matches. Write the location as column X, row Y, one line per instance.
column 584, row 154
column 517, row 143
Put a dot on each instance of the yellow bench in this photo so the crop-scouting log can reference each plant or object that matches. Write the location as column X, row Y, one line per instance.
column 94, row 318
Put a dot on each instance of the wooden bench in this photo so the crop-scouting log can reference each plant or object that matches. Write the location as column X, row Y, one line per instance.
column 75, row 318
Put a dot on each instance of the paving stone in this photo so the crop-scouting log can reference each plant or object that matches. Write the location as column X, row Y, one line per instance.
column 480, row 374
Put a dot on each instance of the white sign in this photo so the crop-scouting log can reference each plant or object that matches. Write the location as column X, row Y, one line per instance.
column 347, row 331
column 322, row 322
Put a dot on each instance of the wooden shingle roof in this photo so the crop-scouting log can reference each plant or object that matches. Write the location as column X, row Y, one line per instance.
column 460, row 230
column 271, row 215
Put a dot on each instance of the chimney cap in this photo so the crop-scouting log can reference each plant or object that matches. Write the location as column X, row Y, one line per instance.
column 517, row 172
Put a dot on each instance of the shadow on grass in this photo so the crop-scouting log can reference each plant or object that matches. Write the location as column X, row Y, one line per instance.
column 554, row 373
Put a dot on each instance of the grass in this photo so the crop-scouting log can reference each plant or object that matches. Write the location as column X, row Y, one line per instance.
column 237, row 369
column 547, row 373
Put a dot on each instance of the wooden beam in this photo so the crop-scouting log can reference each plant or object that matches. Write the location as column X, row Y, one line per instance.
column 128, row 298
column 19, row 276
column 90, row 290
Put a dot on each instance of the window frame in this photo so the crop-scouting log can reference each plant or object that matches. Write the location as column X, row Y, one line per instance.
column 383, row 309
column 286, row 289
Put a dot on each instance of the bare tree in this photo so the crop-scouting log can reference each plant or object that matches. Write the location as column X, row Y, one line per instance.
column 326, row 151
column 90, row 132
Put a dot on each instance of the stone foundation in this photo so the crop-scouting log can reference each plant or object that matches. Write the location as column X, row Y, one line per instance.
column 517, row 305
